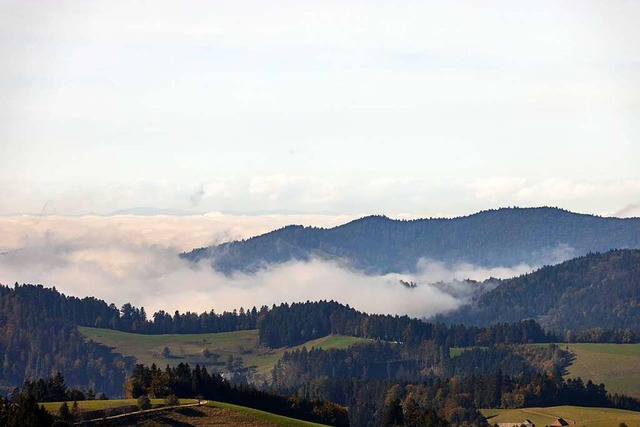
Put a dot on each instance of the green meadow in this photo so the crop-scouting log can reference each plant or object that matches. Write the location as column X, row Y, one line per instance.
column 617, row 366
column 99, row 405
column 196, row 416
column 264, row 416
column 575, row 415
column 203, row 348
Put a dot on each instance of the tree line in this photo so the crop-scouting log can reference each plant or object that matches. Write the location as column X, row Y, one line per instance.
column 36, row 340
column 296, row 323
column 93, row 312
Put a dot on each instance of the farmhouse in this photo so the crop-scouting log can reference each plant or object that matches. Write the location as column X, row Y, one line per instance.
column 560, row 422
column 525, row 423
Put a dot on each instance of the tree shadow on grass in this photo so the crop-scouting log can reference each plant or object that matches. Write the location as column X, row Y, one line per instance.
column 191, row 412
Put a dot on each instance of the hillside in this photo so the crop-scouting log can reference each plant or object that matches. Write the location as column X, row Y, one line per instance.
column 219, row 414
column 615, row 365
column 377, row 244
column 211, row 414
column 208, row 350
column 593, row 291
column 38, row 337
column 576, row 415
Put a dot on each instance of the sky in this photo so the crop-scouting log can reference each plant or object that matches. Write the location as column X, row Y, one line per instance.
column 349, row 107
column 250, row 115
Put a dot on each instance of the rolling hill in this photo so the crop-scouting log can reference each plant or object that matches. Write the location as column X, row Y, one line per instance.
column 615, row 365
column 377, row 244
column 210, row 414
column 189, row 348
column 592, row 291
column 576, row 415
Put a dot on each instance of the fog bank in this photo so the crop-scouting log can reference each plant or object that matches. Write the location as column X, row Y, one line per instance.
column 134, row 259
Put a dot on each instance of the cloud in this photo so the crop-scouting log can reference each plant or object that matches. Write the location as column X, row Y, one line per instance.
column 629, row 211
column 134, row 259
column 430, row 271
column 414, row 196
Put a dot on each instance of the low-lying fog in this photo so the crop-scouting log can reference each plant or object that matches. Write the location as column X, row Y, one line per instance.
column 135, row 259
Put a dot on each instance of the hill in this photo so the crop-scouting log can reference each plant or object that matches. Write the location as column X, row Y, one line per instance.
column 576, row 415
column 596, row 291
column 207, row 350
column 211, row 414
column 377, row 244
column 221, row 414
column 615, row 365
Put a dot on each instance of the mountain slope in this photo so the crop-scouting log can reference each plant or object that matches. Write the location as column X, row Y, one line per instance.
column 593, row 291
column 377, row 244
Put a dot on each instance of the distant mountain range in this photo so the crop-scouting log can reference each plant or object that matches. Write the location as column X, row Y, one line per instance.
column 592, row 291
column 377, row 244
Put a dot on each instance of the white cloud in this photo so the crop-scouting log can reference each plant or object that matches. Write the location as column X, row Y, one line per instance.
column 134, row 259
column 215, row 93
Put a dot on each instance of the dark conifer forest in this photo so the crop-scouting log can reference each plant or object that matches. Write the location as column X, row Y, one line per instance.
column 378, row 245
column 404, row 371
column 595, row 292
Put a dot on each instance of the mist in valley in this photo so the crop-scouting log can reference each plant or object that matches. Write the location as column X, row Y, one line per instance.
column 135, row 259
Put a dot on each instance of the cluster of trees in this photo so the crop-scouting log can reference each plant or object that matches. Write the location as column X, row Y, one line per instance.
column 456, row 399
column 37, row 338
column 183, row 381
column 602, row 335
column 511, row 360
column 54, row 389
column 380, row 360
column 568, row 297
column 93, row 312
column 361, row 376
column 24, row 411
column 293, row 324
column 297, row 370
column 23, row 408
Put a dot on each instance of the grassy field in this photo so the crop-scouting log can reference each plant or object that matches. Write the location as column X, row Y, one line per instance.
column 190, row 348
column 98, row 405
column 457, row 351
column 615, row 365
column 579, row 416
column 265, row 416
column 213, row 414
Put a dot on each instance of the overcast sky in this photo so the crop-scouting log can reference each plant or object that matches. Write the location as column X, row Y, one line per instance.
column 434, row 108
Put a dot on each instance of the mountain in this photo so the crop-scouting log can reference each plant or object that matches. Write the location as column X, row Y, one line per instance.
column 377, row 244
column 600, row 290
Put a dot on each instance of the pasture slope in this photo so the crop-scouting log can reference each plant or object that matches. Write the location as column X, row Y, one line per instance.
column 617, row 366
column 575, row 415
column 210, row 350
column 101, row 405
column 211, row 414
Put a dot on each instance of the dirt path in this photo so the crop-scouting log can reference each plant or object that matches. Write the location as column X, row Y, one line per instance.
column 145, row 411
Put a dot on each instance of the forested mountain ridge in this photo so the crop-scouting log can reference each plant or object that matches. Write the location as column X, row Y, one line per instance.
column 377, row 244
column 599, row 290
